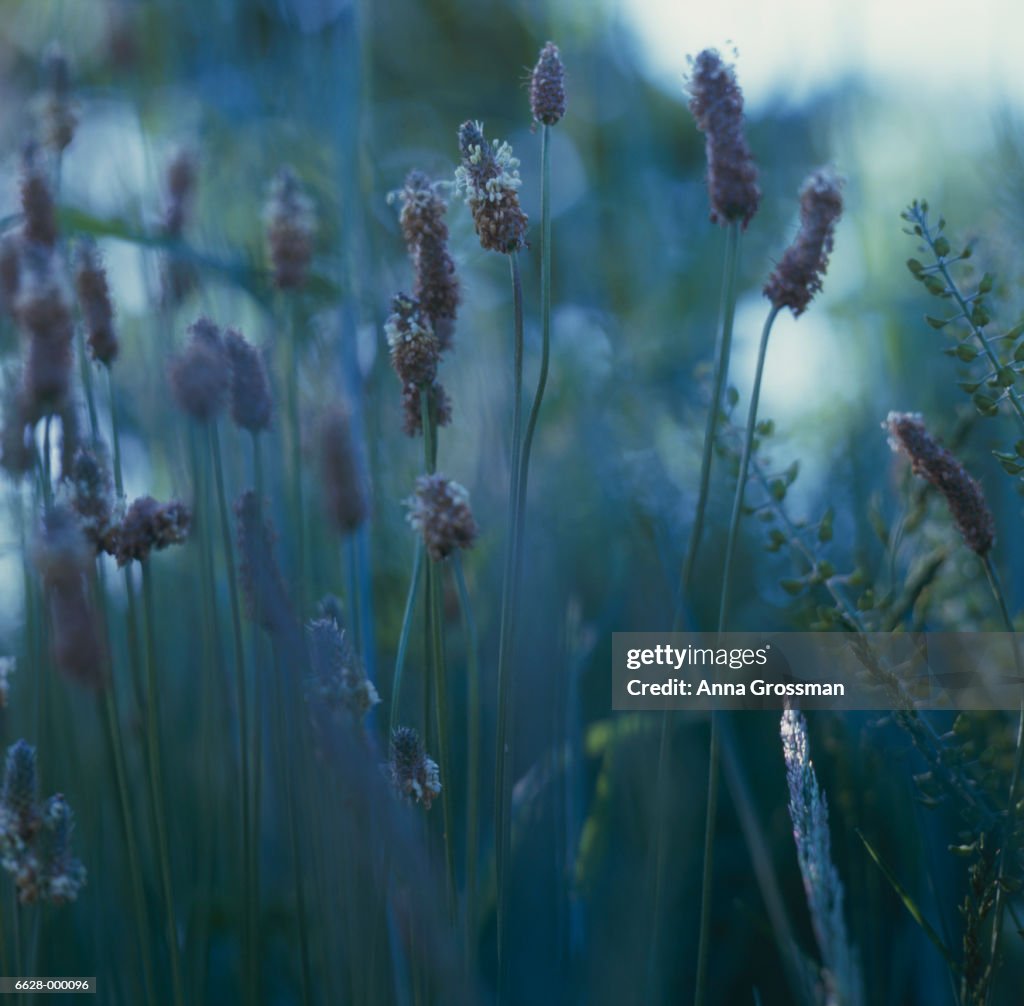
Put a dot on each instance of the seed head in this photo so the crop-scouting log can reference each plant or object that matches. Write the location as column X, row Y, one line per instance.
column 547, row 86
column 440, row 512
column 78, row 649
column 290, row 221
column 19, row 802
column 798, row 277
column 411, row 340
column 716, row 102
column 251, row 404
column 414, row 775
column 57, row 116
column 265, row 596
column 343, row 475
column 200, row 375
column 61, row 553
column 40, row 218
column 61, row 875
column 92, row 499
column 178, row 275
column 94, row 300
column 150, row 526
column 488, row 179
column 937, row 466
column 439, row 404
column 338, row 679
column 426, row 237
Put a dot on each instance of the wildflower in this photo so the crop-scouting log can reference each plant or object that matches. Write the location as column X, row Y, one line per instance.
column 936, row 465
column 56, row 112
column 488, row 178
column 440, row 512
column 200, row 375
column 40, row 217
column 547, row 86
column 290, row 220
column 414, row 347
column 797, row 278
column 439, row 404
column 262, row 587
column 92, row 499
column 43, row 308
column 413, row 774
column 343, row 474
column 426, row 237
column 179, row 276
column 808, row 810
column 717, row 104
column 94, row 300
column 150, row 526
column 19, row 799
column 251, row 404
column 8, row 665
column 61, row 875
column 338, row 678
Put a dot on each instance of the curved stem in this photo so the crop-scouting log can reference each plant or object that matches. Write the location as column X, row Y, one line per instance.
column 503, row 755
column 741, row 482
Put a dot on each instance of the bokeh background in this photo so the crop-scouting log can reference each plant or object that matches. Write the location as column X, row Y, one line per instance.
column 905, row 99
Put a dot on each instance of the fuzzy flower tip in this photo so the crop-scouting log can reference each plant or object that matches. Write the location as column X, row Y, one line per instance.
column 37, row 206
column 200, row 375
column 338, row 679
column 798, row 277
column 438, row 402
column 414, row 775
column 440, row 512
column 57, row 118
column 346, row 493
column 716, row 102
column 808, row 810
column 94, row 300
column 937, row 466
column 251, row 404
column 411, row 341
column 547, row 86
column 425, row 231
column 149, row 526
column 290, row 222
column 488, row 179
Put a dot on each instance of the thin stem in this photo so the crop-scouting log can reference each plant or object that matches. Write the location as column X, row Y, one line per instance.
column 241, row 697
column 741, row 482
column 115, row 434
column 503, row 755
column 436, row 591
column 1018, row 762
column 156, row 780
column 90, row 394
column 252, row 935
column 294, row 429
column 723, row 352
column 472, row 761
column 403, row 637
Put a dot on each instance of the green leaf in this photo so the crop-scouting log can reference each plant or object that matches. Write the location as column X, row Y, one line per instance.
column 915, row 267
column 1018, row 354
column 1019, row 447
column 792, row 587
column 766, row 427
column 791, row 473
column 979, row 316
column 1006, row 377
column 969, row 386
column 778, row 489
column 1016, row 331
column 987, row 282
column 935, row 285
column 941, row 247
column 825, row 527
column 866, row 601
column 1012, row 467
column 966, row 352
column 985, row 405
column 936, row 322
column 909, row 903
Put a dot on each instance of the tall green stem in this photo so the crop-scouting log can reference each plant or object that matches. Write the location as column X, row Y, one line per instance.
column 472, row 761
column 503, row 755
column 241, row 696
column 156, row 781
column 1018, row 763
column 723, row 352
column 403, row 638
column 741, row 482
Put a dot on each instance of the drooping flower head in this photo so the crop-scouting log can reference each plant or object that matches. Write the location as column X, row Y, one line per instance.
column 798, row 277
column 488, row 179
column 937, row 466
column 440, row 512
column 716, row 102
column 547, row 86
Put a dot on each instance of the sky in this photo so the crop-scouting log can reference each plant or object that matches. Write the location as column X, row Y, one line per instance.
column 790, row 47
